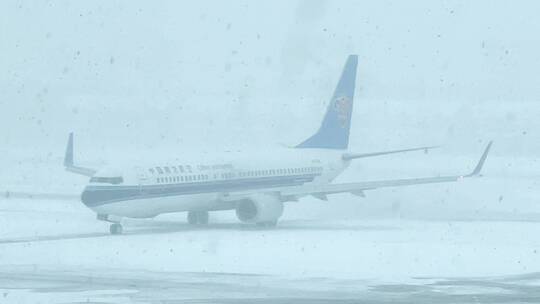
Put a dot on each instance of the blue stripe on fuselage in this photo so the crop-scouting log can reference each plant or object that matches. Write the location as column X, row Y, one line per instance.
column 100, row 195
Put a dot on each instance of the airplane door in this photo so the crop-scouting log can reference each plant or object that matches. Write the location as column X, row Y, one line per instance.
column 142, row 177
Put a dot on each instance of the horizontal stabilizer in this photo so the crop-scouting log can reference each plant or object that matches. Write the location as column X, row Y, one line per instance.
column 350, row 156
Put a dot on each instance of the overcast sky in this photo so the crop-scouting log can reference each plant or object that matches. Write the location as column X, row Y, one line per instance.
column 152, row 74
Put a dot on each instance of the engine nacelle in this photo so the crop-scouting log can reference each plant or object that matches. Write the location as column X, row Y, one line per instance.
column 260, row 208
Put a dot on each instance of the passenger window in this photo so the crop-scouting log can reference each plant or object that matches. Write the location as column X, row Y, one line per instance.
column 159, row 170
column 174, row 169
column 152, row 171
column 167, row 170
column 188, row 168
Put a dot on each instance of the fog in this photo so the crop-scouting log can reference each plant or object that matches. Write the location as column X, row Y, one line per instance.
column 137, row 81
column 151, row 74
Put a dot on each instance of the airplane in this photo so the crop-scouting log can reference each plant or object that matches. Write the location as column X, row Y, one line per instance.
column 255, row 186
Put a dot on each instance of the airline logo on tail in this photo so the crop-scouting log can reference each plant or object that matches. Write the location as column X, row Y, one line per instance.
column 343, row 106
column 335, row 127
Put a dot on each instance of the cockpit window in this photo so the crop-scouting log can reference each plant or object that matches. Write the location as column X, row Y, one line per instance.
column 107, row 180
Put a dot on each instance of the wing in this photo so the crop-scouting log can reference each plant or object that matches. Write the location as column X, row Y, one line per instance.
column 320, row 191
column 35, row 195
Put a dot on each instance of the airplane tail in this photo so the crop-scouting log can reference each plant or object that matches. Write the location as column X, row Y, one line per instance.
column 334, row 130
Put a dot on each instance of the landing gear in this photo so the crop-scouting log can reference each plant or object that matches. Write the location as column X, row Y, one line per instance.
column 116, row 228
column 197, row 217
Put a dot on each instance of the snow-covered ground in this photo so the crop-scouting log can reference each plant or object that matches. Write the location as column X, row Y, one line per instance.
column 462, row 242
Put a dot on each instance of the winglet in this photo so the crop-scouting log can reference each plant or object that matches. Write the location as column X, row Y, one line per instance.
column 68, row 158
column 69, row 164
column 481, row 162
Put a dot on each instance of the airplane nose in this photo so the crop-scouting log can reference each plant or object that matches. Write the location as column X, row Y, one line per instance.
column 91, row 197
column 94, row 196
column 86, row 197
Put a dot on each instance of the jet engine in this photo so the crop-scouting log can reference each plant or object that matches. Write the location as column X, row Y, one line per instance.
column 259, row 209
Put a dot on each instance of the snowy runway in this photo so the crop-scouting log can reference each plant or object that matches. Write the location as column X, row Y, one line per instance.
column 75, row 285
column 63, row 254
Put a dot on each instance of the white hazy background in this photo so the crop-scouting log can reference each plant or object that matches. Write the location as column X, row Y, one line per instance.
column 147, row 80
column 138, row 79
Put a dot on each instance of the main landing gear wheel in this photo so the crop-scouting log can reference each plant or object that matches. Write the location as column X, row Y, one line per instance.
column 116, row 229
column 198, row 217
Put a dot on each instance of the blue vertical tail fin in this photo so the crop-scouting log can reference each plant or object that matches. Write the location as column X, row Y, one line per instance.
column 334, row 130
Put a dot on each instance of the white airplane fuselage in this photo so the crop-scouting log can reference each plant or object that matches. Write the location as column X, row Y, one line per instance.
column 148, row 190
column 256, row 184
